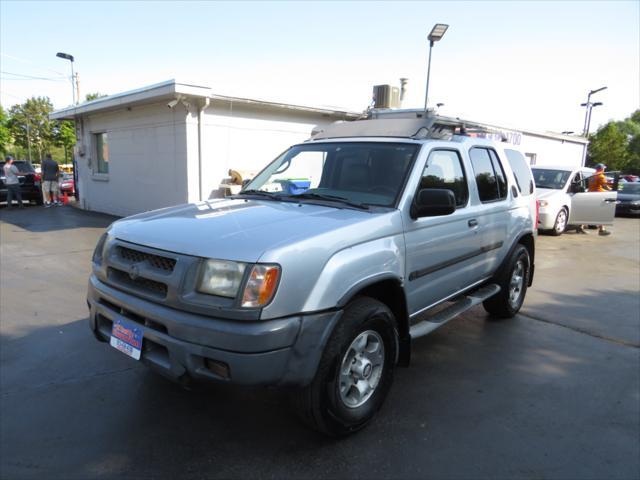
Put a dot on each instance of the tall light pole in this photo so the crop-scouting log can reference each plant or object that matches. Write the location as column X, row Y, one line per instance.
column 66, row 56
column 589, row 106
column 587, row 118
column 437, row 32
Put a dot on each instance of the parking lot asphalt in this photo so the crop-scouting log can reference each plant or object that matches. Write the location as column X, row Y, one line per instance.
column 553, row 393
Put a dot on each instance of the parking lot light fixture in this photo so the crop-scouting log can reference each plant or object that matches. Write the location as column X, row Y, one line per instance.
column 67, row 56
column 587, row 118
column 437, row 32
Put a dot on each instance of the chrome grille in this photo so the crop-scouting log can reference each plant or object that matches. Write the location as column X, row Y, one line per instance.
column 156, row 261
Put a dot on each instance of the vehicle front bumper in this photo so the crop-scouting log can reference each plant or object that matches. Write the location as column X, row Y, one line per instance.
column 184, row 346
column 627, row 209
column 546, row 219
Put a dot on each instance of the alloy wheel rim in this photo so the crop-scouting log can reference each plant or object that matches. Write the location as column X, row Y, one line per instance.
column 361, row 369
column 561, row 222
column 516, row 284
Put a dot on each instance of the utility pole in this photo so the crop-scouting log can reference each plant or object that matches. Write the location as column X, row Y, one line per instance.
column 77, row 88
column 28, row 140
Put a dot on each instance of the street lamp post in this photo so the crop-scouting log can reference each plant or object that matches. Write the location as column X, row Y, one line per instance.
column 437, row 32
column 66, row 56
column 587, row 118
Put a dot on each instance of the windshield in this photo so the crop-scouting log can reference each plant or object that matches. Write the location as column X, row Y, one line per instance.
column 547, row 178
column 360, row 173
column 629, row 188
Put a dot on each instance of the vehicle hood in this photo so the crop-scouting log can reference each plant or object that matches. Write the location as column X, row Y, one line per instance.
column 547, row 193
column 234, row 229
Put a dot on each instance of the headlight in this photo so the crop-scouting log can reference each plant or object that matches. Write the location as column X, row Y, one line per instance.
column 261, row 285
column 635, row 203
column 221, row 277
column 98, row 251
column 544, row 203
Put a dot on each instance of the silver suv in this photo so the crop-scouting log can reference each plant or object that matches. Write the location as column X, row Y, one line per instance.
column 321, row 272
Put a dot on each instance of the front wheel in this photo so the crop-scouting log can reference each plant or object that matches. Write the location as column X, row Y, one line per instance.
column 513, row 285
column 355, row 372
column 560, row 224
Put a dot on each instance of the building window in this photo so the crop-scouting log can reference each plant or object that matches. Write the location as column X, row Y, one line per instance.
column 531, row 157
column 102, row 152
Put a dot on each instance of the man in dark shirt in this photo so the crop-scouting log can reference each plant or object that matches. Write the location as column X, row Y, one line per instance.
column 50, row 174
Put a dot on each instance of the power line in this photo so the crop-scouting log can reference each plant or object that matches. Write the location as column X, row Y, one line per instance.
column 30, row 63
column 31, row 77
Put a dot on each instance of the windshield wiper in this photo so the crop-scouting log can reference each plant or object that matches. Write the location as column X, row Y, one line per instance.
column 261, row 193
column 330, row 198
column 547, row 186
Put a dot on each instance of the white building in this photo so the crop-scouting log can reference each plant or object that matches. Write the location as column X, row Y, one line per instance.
column 173, row 143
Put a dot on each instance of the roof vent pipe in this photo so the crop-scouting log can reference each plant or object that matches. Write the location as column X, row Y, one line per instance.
column 403, row 88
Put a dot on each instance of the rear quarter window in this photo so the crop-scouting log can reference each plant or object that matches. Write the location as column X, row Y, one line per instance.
column 521, row 170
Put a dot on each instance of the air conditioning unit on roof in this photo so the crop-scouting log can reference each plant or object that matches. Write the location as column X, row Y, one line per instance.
column 386, row 96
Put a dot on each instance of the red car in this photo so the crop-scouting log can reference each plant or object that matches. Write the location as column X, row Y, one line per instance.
column 67, row 185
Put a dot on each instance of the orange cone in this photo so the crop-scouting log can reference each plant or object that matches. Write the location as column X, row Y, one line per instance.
column 65, row 198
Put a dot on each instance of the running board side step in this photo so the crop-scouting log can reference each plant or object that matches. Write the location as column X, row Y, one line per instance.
column 460, row 306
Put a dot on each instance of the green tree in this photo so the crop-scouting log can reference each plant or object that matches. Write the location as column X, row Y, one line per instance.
column 617, row 144
column 30, row 126
column 93, row 96
column 64, row 135
column 5, row 134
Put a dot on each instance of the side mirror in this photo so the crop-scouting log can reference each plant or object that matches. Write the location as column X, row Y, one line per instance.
column 433, row 202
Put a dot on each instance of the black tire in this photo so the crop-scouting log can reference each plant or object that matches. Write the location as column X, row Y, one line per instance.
column 560, row 225
column 39, row 200
column 509, row 300
column 321, row 405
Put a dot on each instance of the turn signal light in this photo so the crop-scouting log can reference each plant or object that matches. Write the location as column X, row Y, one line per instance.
column 261, row 285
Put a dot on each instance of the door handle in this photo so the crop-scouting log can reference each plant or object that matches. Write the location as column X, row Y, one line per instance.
column 609, row 200
column 472, row 223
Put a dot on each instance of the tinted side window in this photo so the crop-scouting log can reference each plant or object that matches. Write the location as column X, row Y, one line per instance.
column 521, row 170
column 485, row 176
column 500, row 176
column 444, row 170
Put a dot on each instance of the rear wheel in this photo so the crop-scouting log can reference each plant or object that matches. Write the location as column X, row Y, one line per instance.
column 560, row 224
column 355, row 372
column 513, row 285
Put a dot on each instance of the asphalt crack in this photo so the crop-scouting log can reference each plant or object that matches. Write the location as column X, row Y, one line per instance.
column 584, row 331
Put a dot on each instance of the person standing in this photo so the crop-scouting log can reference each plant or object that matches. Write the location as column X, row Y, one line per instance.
column 50, row 174
column 598, row 183
column 11, row 174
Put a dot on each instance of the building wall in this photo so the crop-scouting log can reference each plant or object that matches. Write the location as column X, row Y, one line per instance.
column 549, row 151
column 245, row 139
column 147, row 160
column 153, row 152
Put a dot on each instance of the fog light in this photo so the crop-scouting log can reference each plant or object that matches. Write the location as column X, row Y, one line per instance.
column 220, row 369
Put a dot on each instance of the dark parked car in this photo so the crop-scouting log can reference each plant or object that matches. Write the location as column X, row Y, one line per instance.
column 29, row 184
column 628, row 199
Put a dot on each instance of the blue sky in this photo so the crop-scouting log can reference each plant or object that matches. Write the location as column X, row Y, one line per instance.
column 526, row 64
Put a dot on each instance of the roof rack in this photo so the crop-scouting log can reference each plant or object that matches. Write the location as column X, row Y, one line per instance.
column 413, row 124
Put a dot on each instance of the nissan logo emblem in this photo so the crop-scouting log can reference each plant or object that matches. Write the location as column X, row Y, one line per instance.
column 134, row 271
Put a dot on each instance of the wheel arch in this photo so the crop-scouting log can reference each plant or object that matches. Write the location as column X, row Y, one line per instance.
column 528, row 241
column 390, row 291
